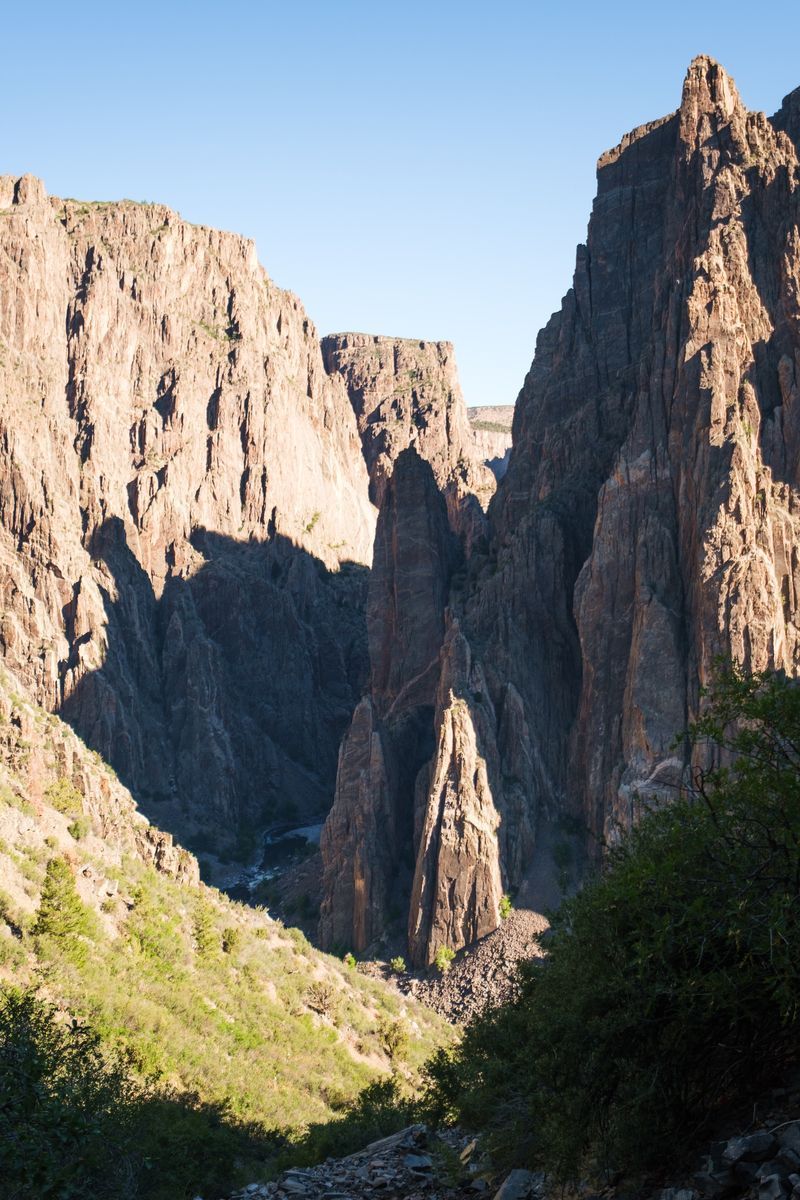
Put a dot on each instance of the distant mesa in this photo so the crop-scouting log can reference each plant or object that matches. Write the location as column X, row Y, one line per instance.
column 491, row 435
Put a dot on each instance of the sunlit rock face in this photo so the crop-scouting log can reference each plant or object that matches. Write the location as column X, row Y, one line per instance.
column 405, row 393
column 648, row 520
column 190, row 570
column 185, row 526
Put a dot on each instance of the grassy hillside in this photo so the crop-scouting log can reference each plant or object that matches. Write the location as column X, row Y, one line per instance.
column 199, row 994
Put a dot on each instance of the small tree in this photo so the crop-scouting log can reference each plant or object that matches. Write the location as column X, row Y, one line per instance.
column 206, row 936
column 62, row 915
column 393, row 1036
column 67, row 1110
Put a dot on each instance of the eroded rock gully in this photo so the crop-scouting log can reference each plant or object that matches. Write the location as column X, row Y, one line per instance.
column 648, row 522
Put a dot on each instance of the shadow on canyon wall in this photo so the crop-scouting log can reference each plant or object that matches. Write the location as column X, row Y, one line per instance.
column 221, row 702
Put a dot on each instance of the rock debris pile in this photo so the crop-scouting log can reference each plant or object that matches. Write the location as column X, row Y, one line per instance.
column 764, row 1164
column 485, row 974
column 412, row 1163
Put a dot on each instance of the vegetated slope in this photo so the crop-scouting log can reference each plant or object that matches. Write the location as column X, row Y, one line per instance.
column 207, row 996
column 185, row 525
column 648, row 522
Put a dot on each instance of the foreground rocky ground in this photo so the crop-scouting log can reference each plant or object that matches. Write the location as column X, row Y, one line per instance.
column 761, row 1164
column 412, row 1163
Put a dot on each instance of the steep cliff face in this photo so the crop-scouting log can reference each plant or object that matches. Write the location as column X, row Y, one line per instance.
column 184, row 517
column 649, row 517
column 406, row 393
column 457, row 887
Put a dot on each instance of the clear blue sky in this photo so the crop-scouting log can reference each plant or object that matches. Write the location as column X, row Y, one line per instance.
column 423, row 170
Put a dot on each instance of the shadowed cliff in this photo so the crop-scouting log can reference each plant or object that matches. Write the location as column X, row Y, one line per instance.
column 221, row 703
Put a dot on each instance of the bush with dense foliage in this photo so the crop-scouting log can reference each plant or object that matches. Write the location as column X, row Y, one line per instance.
column 672, row 984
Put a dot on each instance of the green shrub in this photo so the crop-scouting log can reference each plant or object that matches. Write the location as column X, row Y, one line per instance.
column 398, row 965
column 79, row 828
column 206, row 935
column 321, row 998
column 156, row 935
column 505, row 907
column 443, row 959
column 231, row 939
column 349, row 960
column 64, row 1120
column 7, row 908
column 394, row 1039
column 672, row 984
column 65, row 797
column 9, row 797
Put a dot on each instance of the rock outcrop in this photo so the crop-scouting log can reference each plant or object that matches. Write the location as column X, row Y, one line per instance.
column 648, row 521
column 406, row 393
column 184, row 517
column 455, row 897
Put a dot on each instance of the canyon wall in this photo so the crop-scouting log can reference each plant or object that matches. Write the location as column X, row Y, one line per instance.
column 185, row 529
column 647, row 523
column 186, row 526
column 491, row 435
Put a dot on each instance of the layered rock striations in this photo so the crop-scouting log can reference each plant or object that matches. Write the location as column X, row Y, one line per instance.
column 184, row 512
column 648, row 521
